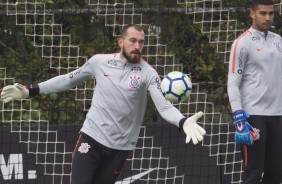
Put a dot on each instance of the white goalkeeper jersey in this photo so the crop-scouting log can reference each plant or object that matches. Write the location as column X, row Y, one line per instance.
column 255, row 73
column 119, row 100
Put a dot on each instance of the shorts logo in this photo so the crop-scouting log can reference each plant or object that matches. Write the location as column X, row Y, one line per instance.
column 277, row 46
column 255, row 134
column 84, row 148
column 117, row 172
column 134, row 82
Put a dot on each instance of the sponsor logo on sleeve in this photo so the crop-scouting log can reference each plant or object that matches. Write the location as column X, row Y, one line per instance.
column 158, row 81
column 77, row 72
column 240, row 60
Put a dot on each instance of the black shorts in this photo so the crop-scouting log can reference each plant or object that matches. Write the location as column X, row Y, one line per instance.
column 94, row 163
column 265, row 156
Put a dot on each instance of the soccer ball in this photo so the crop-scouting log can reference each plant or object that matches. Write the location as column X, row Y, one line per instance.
column 176, row 87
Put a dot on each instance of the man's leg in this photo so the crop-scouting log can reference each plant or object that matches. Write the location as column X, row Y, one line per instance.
column 86, row 160
column 273, row 157
column 253, row 156
column 111, row 166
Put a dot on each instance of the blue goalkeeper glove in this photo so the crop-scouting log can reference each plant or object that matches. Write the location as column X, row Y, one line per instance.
column 245, row 133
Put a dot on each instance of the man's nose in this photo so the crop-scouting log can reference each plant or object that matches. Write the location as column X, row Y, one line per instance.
column 268, row 17
column 137, row 45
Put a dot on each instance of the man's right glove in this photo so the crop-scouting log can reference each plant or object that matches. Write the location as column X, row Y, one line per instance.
column 193, row 130
column 245, row 133
column 16, row 91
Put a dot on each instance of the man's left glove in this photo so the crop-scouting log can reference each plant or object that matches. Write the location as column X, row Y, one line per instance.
column 193, row 130
column 245, row 133
column 16, row 91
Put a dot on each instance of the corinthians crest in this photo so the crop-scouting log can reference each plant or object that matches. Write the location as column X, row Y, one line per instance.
column 277, row 46
column 134, row 82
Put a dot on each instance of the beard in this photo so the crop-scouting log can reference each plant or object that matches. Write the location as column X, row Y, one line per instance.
column 132, row 59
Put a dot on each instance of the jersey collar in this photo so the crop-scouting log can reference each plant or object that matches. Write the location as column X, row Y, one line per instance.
column 259, row 33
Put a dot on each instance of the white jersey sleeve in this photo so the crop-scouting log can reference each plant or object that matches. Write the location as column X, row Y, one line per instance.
column 68, row 81
column 237, row 62
column 164, row 107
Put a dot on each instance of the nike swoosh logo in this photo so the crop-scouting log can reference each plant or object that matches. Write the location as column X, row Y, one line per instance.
column 259, row 49
column 240, row 127
column 135, row 177
column 106, row 75
column 117, row 172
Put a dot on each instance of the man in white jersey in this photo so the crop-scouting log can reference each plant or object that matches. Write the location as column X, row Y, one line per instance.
column 255, row 95
column 112, row 125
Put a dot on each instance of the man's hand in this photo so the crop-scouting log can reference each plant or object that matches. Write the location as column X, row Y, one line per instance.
column 193, row 130
column 245, row 133
column 16, row 91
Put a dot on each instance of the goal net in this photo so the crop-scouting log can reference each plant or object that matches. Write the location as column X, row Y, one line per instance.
column 39, row 40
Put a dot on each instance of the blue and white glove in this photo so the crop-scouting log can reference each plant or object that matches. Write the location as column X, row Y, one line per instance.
column 245, row 133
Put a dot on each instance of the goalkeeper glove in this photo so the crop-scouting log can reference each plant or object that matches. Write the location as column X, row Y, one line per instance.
column 192, row 129
column 245, row 133
column 18, row 91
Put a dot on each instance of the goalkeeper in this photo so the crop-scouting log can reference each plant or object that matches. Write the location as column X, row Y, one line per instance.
column 112, row 125
column 255, row 95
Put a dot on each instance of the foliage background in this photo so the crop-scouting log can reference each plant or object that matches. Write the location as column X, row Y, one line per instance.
column 182, row 36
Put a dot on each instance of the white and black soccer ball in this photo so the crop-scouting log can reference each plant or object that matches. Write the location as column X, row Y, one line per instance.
column 176, row 87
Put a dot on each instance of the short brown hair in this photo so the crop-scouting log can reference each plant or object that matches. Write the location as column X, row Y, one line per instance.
column 124, row 30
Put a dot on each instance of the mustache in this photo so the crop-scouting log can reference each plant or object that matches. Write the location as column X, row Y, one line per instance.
column 136, row 52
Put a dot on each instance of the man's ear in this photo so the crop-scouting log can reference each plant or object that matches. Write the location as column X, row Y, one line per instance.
column 120, row 42
column 252, row 14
